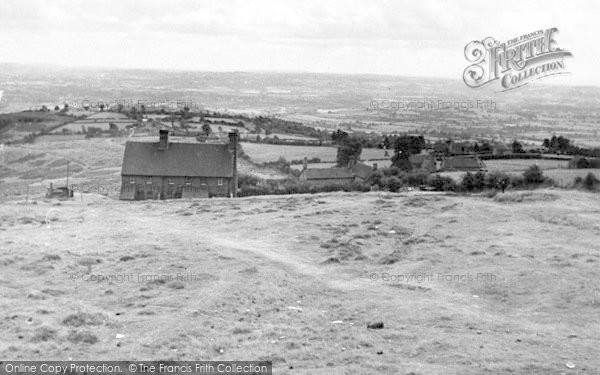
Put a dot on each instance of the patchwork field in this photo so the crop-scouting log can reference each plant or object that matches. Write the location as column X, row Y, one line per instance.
column 261, row 153
column 519, row 165
column 93, row 164
column 461, row 285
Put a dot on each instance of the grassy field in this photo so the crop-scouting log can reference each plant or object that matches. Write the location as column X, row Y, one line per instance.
column 565, row 177
column 261, row 153
column 462, row 285
column 519, row 165
column 555, row 169
column 92, row 162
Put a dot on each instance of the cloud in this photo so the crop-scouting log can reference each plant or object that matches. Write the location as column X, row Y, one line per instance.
column 356, row 36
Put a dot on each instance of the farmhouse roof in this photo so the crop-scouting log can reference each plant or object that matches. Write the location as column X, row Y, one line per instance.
column 361, row 170
column 462, row 163
column 179, row 159
column 327, row 173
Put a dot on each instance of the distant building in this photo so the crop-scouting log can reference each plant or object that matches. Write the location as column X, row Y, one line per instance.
column 501, row 149
column 462, row 163
column 356, row 171
column 326, row 176
column 165, row 170
column 362, row 172
column 460, row 148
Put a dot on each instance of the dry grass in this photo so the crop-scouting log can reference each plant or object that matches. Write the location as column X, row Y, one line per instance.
column 290, row 279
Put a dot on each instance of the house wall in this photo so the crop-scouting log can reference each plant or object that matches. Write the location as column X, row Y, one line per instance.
column 160, row 188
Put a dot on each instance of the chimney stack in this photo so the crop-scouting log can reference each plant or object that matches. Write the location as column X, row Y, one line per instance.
column 163, row 139
column 233, row 147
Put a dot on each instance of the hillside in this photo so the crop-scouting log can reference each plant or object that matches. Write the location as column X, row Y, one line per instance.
column 296, row 280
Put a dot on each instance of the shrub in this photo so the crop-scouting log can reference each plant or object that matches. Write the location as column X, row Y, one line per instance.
column 442, row 183
column 590, row 182
column 479, row 181
column 533, row 175
column 468, row 182
column 392, row 184
column 497, row 180
column 416, row 179
column 516, row 181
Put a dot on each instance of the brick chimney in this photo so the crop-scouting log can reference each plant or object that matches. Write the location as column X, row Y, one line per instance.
column 233, row 148
column 163, row 139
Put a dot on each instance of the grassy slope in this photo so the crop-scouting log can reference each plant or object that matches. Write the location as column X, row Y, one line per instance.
column 261, row 289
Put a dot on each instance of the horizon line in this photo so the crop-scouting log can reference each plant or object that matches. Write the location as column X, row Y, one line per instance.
column 258, row 71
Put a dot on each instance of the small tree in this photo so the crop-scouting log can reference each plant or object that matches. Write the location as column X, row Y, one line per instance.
column 479, row 180
column 348, row 151
column 498, row 180
column 468, row 182
column 533, row 175
column 517, row 147
column 590, row 182
column 206, row 129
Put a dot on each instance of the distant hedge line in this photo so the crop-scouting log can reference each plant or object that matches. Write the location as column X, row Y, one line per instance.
column 393, row 180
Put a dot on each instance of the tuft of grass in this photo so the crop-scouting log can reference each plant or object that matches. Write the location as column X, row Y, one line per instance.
column 43, row 334
column 84, row 319
column 84, row 337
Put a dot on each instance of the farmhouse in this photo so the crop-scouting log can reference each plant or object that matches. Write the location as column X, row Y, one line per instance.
column 362, row 172
column 325, row 176
column 462, row 163
column 165, row 170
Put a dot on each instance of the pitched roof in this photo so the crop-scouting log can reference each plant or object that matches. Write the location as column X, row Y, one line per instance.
column 361, row 170
column 180, row 159
column 462, row 163
column 327, row 173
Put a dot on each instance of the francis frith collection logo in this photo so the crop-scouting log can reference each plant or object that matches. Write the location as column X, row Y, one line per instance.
column 516, row 62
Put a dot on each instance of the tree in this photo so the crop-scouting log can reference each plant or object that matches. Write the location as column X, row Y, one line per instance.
column 517, row 148
column 339, row 137
column 468, row 182
column 533, row 175
column 590, row 182
column 479, row 180
column 57, row 108
column 404, row 146
column 546, row 143
column 498, row 180
column 206, row 129
column 101, row 107
column 348, row 152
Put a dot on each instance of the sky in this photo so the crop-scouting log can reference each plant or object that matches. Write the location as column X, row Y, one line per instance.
column 421, row 38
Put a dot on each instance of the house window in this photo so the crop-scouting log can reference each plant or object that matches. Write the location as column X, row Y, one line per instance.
column 131, row 180
column 171, row 181
column 148, row 180
column 188, row 180
column 220, row 181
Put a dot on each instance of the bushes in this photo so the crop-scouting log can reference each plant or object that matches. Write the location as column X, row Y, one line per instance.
column 497, row 180
column 393, row 179
column 250, row 185
column 589, row 182
column 533, row 175
column 442, row 183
